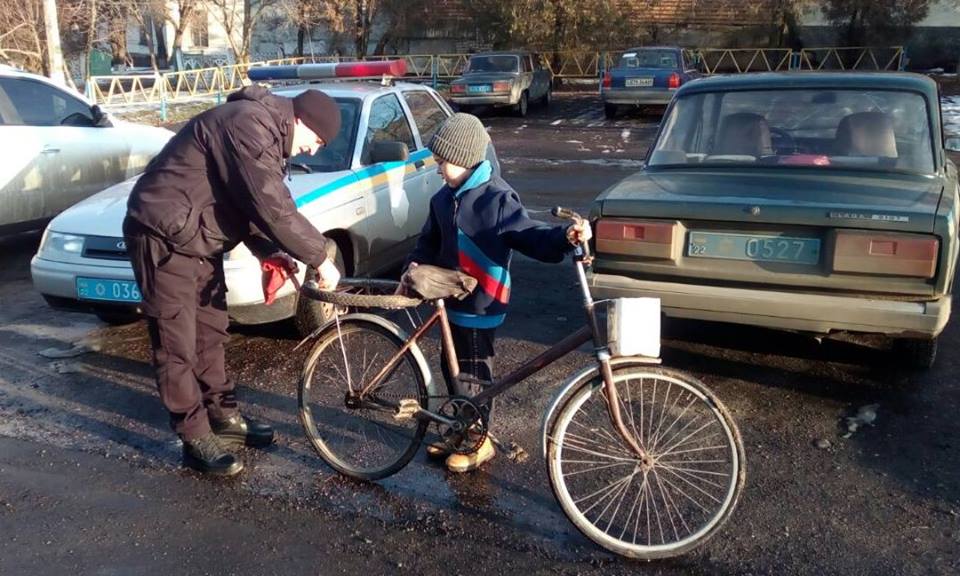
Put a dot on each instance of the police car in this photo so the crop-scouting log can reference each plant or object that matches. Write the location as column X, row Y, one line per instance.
column 369, row 190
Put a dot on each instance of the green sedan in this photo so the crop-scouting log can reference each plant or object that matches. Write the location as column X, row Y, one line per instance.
column 815, row 202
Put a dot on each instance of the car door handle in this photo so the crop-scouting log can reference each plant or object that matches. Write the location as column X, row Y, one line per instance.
column 418, row 164
column 50, row 150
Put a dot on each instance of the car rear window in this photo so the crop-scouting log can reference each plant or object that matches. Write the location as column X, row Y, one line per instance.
column 336, row 155
column 826, row 128
column 493, row 64
column 649, row 59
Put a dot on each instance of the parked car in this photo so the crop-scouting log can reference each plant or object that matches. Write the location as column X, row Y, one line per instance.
column 58, row 149
column 646, row 77
column 816, row 202
column 368, row 190
column 503, row 79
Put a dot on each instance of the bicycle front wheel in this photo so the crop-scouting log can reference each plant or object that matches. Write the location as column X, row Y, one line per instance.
column 672, row 501
column 349, row 425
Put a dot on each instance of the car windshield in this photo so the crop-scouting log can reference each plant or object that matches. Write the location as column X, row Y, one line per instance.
column 862, row 129
column 336, row 155
column 649, row 59
column 493, row 64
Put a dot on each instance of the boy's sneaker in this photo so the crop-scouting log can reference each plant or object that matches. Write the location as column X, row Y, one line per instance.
column 468, row 462
column 208, row 455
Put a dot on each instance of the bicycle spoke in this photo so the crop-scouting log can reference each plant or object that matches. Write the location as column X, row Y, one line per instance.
column 671, row 501
column 689, row 439
column 604, row 467
column 573, row 442
column 694, row 486
column 617, row 443
column 657, row 437
column 666, row 505
column 666, row 399
column 687, row 496
column 677, row 419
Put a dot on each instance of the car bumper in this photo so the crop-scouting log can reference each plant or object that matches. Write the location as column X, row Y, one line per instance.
column 816, row 313
column 487, row 100
column 57, row 282
column 637, row 96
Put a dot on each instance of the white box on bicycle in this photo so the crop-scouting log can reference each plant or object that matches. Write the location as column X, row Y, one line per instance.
column 633, row 327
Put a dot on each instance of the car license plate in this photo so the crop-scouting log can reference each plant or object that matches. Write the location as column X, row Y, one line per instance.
column 108, row 290
column 479, row 88
column 755, row 247
column 638, row 82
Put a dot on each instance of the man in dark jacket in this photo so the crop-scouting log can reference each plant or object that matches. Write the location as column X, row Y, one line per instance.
column 217, row 183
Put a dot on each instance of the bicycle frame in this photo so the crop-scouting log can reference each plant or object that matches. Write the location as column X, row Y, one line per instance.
column 586, row 333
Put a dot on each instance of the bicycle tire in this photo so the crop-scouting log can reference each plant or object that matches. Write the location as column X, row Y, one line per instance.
column 613, row 456
column 333, row 436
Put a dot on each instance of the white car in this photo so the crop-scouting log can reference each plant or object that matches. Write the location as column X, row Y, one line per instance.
column 369, row 190
column 58, row 149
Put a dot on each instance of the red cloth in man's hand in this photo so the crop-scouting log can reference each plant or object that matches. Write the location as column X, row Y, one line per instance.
column 275, row 274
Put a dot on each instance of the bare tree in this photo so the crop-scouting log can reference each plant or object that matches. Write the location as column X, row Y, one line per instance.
column 238, row 19
column 183, row 16
column 21, row 34
column 865, row 21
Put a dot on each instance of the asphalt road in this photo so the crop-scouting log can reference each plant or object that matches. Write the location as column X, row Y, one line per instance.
column 90, row 480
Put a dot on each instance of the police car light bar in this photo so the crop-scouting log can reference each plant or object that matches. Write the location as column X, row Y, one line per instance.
column 321, row 71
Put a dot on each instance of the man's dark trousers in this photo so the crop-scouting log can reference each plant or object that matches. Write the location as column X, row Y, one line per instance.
column 185, row 302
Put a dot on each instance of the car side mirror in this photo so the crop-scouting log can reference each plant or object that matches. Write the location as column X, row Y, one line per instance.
column 100, row 118
column 952, row 143
column 389, row 152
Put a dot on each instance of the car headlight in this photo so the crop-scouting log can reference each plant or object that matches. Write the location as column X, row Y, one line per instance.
column 57, row 243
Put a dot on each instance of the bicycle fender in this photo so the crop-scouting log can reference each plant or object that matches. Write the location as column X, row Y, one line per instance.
column 400, row 333
column 575, row 381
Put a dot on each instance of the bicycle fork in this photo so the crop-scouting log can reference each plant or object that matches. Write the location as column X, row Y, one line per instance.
column 603, row 358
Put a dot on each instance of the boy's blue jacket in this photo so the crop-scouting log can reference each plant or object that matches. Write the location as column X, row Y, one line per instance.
column 475, row 228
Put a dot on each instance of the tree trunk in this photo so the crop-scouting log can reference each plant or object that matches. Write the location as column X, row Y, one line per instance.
column 183, row 20
column 91, row 38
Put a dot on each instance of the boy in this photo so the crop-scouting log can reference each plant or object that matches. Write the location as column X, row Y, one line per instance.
column 476, row 221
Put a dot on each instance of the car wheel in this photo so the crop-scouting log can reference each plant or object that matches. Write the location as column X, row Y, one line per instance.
column 312, row 314
column 522, row 105
column 115, row 318
column 915, row 353
column 610, row 111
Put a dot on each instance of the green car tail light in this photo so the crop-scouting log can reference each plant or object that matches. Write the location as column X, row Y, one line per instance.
column 892, row 254
column 643, row 238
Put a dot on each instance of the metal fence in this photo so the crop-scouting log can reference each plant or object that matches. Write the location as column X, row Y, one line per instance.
column 438, row 68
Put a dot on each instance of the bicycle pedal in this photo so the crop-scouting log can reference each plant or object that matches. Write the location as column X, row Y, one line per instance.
column 516, row 453
column 407, row 409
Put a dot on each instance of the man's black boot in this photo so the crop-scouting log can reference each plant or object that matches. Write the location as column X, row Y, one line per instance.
column 209, row 455
column 237, row 430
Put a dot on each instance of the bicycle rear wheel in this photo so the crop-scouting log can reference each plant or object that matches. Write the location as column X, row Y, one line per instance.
column 350, row 431
column 663, row 506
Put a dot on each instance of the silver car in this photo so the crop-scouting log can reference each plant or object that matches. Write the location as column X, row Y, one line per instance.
column 503, row 79
column 58, row 149
column 369, row 190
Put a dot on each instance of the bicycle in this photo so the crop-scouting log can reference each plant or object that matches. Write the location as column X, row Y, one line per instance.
column 676, row 467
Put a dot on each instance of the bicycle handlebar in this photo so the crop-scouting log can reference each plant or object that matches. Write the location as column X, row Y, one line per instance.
column 568, row 214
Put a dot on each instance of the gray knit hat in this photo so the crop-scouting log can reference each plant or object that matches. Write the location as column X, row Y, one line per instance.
column 461, row 140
